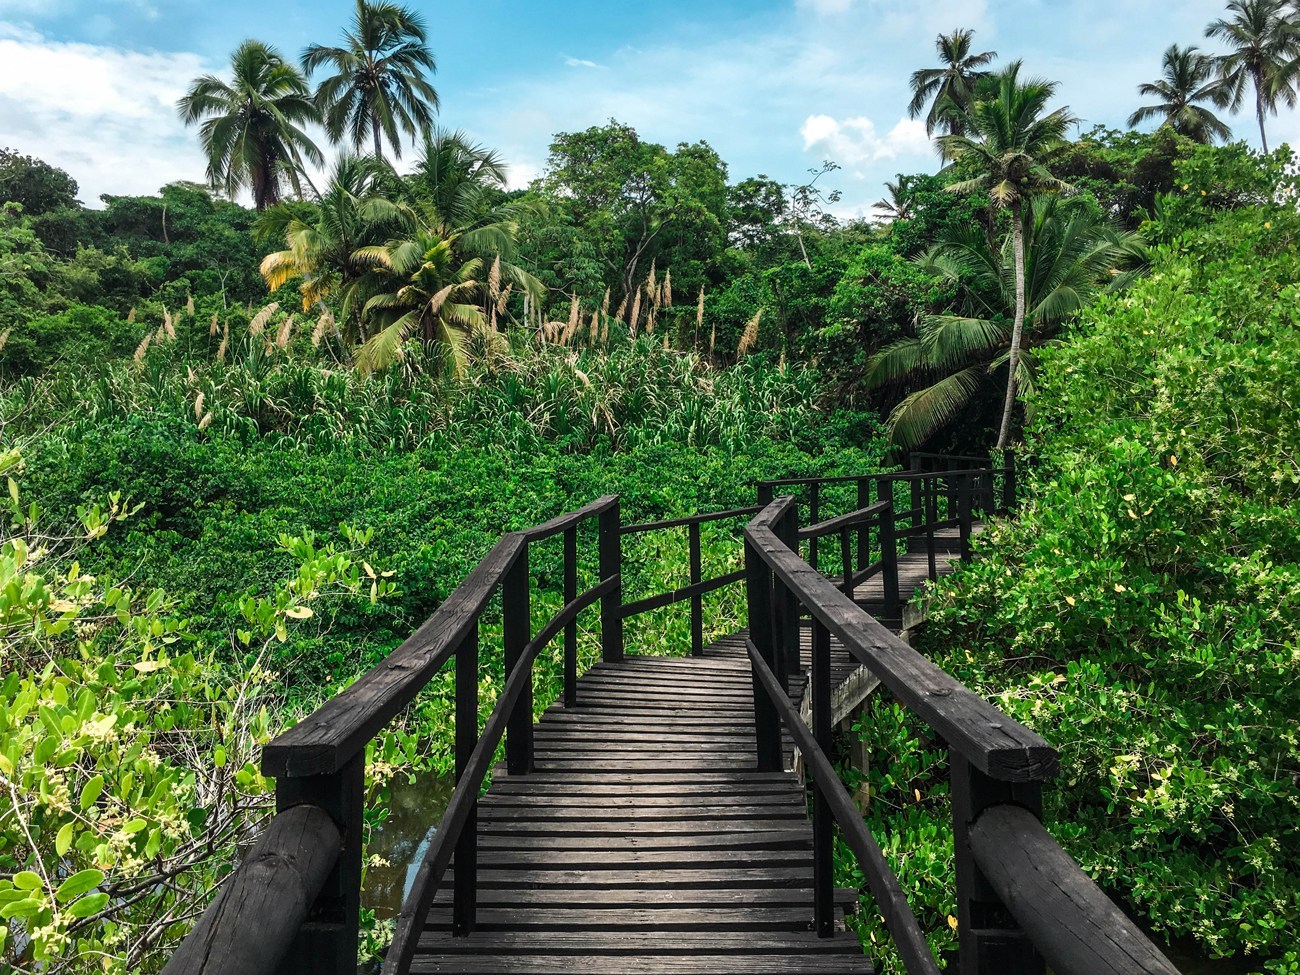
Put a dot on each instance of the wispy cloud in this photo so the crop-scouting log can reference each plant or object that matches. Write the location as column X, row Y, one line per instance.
column 581, row 63
column 855, row 143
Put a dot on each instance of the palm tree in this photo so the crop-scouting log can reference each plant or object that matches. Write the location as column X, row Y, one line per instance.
column 1072, row 255
column 1189, row 77
column 351, row 213
column 950, row 89
column 378, row 84
column 252, row 131
column 1013, row 144
column 456, row 179
column 895, row 205
column 1265, row 46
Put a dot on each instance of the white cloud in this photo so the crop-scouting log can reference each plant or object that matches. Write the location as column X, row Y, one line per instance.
column 855, row 143
column 580, row 63
column 104, row 114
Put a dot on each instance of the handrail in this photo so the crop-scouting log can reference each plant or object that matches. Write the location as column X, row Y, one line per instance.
column 560, row 523
column 890, row 899
column 833, row 526
column 1006, row 862
column 469, row 783
column 994, row 743
column 698, row 586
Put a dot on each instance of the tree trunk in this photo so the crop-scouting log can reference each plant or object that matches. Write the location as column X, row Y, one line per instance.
column 1259, row 114
column 374, row 130
column 1017, row 330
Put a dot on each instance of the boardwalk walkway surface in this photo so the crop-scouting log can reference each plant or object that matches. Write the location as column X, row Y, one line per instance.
column 644, row 840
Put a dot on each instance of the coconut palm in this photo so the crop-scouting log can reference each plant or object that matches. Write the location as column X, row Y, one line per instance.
column 895, row 205
column 950, row 88
column 456, row 179
column 352, row 212
column 1072, row 255
column 252, row 126
column 1265, row 51
column 1013, row 141
column 1190, row 78
column 378, row 84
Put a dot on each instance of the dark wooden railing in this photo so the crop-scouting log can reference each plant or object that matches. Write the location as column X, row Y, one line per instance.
column 1021, row 900
column 293, row 904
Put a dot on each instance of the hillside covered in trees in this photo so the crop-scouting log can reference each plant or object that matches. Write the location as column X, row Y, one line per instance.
column 248, row 448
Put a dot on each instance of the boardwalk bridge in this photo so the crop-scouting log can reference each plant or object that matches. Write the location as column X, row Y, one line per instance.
column 678, row 814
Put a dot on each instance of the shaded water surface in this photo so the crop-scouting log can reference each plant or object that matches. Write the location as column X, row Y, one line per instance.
column 415, row 808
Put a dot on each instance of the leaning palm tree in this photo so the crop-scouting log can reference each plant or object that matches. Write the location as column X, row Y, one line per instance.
column 378, row 85
column 1265, row 53
column 950, row 88
column 352, row 211
column 252, row 126
column 1072, row 255
column 1013, row 142
column 1190, row 78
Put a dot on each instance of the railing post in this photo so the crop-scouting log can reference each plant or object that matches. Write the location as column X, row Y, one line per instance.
column 767, row 724
column 918, row 503
column 571, row 630
column 765, row 494
column 964, row 488
column 328, row 940
column 823, row 821
column 931, row 516
column 864, row 499
column 465, row 886
column 517, row 630
column 787, row 530
column 846, row 556
column 611, row 605
column 990, row 942
column 697, row 601
column 1009, row 481
column 814, row 516
column 889, row 564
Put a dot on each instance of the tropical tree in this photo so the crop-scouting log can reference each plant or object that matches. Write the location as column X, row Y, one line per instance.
column 950, row 88
column 352, row 212
column 1265, row 53
column 1190, row 77
column 252, row 126
column 1072, row 254
column 378, row 85
column 1013, row 141
column 894, row 205
column 456, row 179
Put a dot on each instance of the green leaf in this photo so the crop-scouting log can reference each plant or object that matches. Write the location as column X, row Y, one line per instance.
column 88, row 905
column 28, row 880
column 79, row 883
column 91, row 791
column 63, row 842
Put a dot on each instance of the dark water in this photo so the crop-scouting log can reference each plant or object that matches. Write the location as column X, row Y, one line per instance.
column 403, row 839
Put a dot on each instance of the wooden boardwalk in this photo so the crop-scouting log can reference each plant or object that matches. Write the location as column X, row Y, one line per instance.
column 645, row 840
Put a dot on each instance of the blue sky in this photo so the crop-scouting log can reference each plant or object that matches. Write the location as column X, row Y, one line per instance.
column 776, row 86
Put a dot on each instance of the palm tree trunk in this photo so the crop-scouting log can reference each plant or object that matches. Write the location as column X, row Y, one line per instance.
column 374, row 130
column 1259, row 114
column 1017, row 331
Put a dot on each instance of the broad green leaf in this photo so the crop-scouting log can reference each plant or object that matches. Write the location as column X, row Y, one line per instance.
column 79, row 883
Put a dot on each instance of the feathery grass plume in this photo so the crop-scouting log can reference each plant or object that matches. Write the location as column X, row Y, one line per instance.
column 285, row 330
column 636, row 312
column 206, row 421
column 781, row 362
column 750, row 335
column 593, row 330
column 170, row 322
column 666, row 289
column 651, row 319
column 189, row 304
column 604, row 334
column 198, row 406
column 130, row 316
column 259, row 321
column 665, row 341
column 622, row 310
column 604, row 304
column 582, row 377
column 713, row 337
column 575, row 316
column 190, row 374
column 504, row 299
column 142, row 348
column 212, row 329
column 160, row 333
column 652, row 285
column 225, row 341
column 699, row 319
column 4, row 337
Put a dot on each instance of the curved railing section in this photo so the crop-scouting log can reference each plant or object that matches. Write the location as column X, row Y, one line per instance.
column 1021, row 898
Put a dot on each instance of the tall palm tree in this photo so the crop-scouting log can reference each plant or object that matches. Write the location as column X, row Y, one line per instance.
column 950, row 88
column 1190, row 77
column 252, row 126
column 1013, row 141
column 1265, row 46
column 894, row 205
column 1072, row 255
column 456, row 179
column 378, row 85
column 351, row 212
